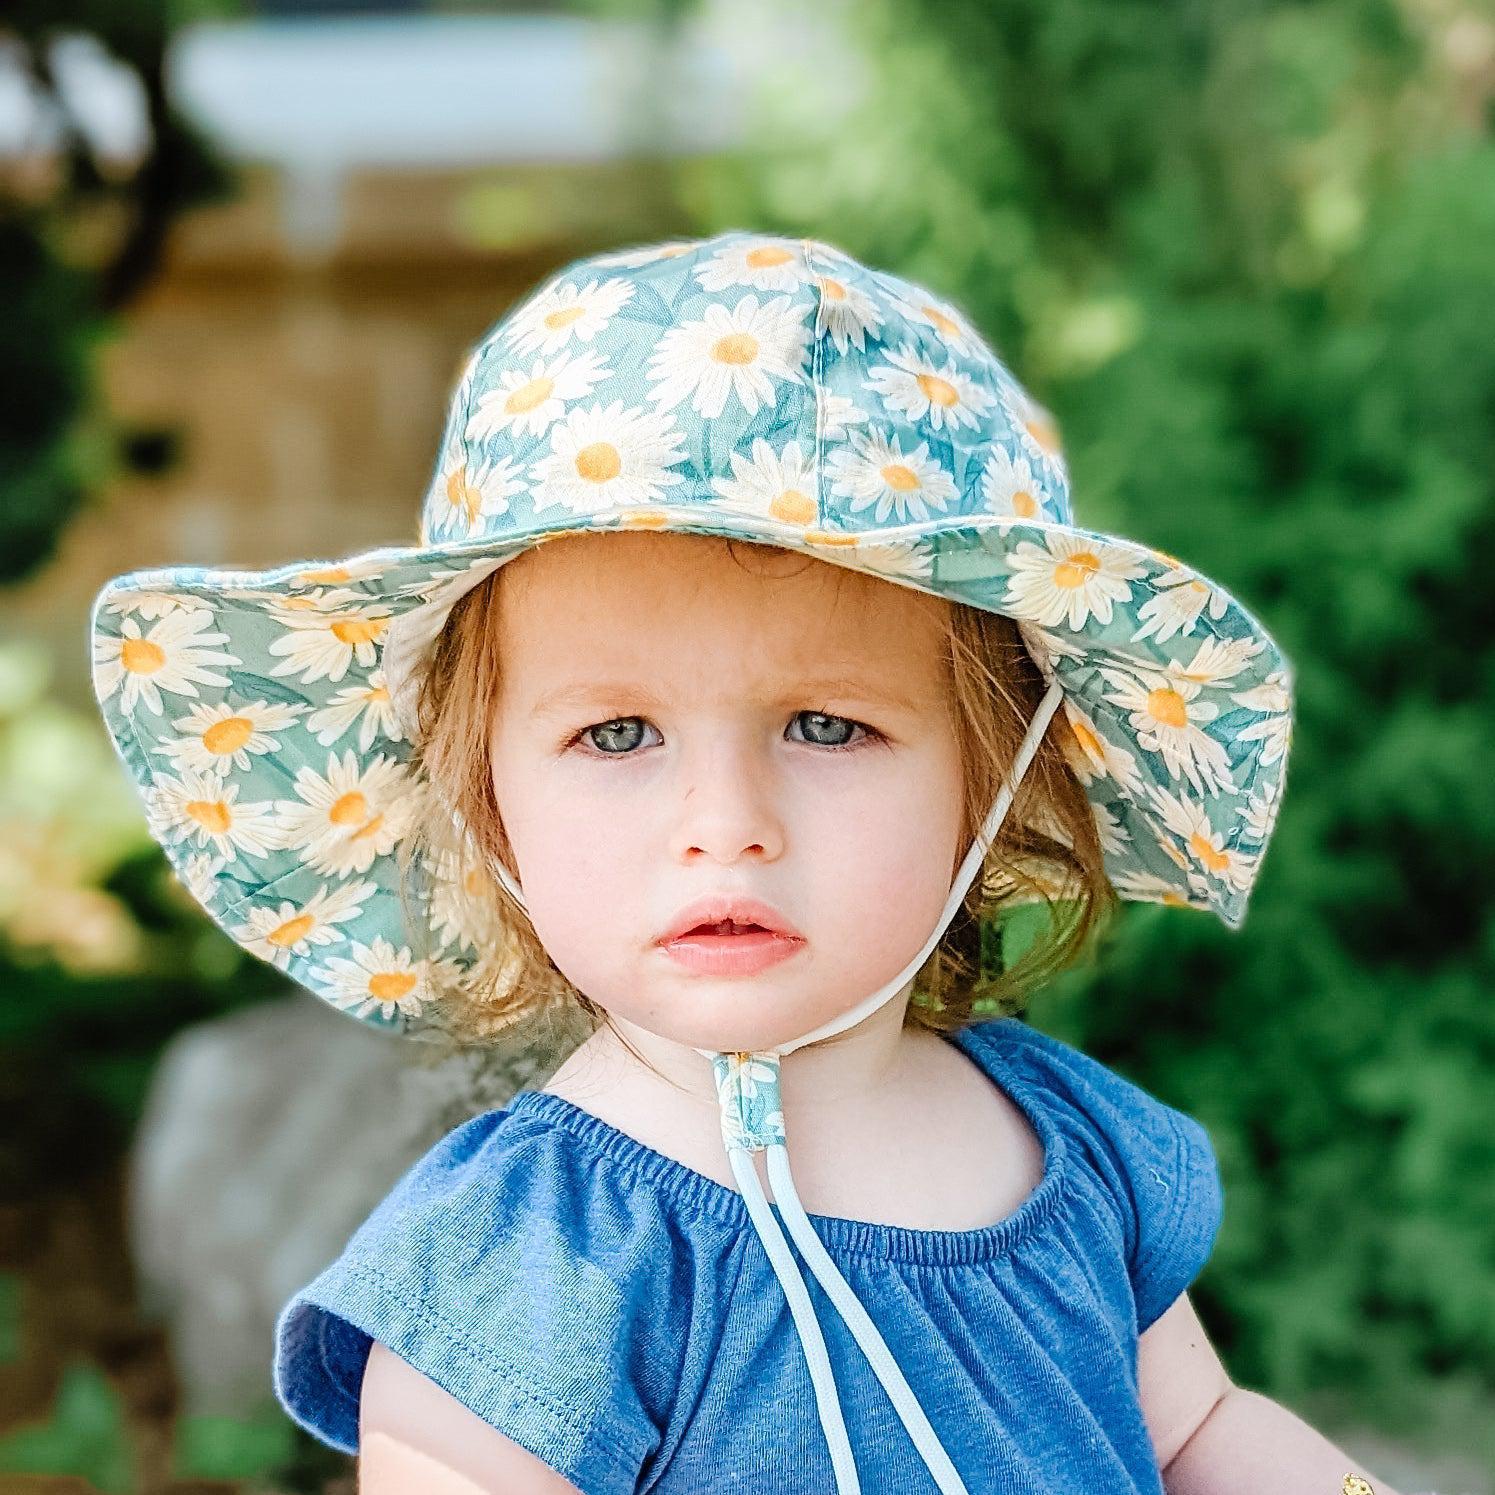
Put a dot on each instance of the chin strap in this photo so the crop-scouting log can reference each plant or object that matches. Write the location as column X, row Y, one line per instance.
column 752, row 1118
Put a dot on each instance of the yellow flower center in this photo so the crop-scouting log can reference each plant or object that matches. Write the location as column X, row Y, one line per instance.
column 948, row 325
column 1087, row 739
column 461, row 494
column 229, row 735
column 354, row 631
column 1168, row 707
column 1076, row 570
column 832, row 288
column 1214, row 859
column 141, row 657
column 938, row 391
column 767, row 256
column 793, row 507
column 329, row 577
column 643, row 519
column 735, row 347
column 390, row 986
column 1044, row 432
column 292, row 931
column 899, row 477
column 563, row 317
column 527, row 396
column 376, row 693
column 212, row 814
column 599, row 462
column 349, row 808
column 1024, row 504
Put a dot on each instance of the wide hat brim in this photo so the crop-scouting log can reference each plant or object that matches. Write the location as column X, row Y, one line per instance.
column 266, row 718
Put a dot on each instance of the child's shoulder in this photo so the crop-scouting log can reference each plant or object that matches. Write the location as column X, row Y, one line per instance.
column 1151, row 1163
column 508, row 1268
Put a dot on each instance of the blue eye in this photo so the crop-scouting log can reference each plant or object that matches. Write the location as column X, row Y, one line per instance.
column 824, row 730
column 622, row 735
column 617, row 737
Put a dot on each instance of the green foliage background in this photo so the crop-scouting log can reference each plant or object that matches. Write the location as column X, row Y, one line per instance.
column 1244, row 253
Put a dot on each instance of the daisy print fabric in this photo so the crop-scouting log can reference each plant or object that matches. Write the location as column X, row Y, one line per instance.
column 764, row 388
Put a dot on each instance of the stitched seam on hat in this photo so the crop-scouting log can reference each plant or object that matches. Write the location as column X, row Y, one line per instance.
column 817, row 366
column 424, row 1310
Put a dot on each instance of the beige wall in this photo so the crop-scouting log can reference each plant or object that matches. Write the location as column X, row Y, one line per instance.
column 309, row 397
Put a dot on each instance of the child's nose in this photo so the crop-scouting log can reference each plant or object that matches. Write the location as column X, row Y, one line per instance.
column 728, row 810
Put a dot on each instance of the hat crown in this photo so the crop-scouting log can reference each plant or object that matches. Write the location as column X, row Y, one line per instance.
column 738, row 373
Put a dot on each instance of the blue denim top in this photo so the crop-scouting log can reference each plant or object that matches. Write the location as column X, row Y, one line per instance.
column 612, row 1310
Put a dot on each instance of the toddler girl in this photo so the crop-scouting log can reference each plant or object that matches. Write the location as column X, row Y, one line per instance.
column 750, row 655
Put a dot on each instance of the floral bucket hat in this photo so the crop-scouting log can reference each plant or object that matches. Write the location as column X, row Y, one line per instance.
column 767, row 389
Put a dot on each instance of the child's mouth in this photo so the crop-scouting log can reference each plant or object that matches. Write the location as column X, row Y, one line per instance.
column 727, row 948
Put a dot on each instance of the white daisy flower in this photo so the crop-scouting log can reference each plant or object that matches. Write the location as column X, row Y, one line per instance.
column 221, row 737
column 1217, row 661
column 200, row 810
column 762, row 264
column 320, row 646
column 776, row 485
column 738, row 351
column 367, row 704
column 1114, row 837
column 463, row 896
column 529, row 401
column 276, row 934
column 173, row 656
column 1068, row 579
column 1274, row 730
column 566, row 313
column 838, row 414
column 284, row 607
column 632, row 259
column 377, row 977
column 341, row 821
column 954, row 329
column 910, row 560
column 1092, row 754
column 607, row 458
column 469, row 495
column 912, row 386
column 358, row 568
column 1035, row 423
column 1168, row 716
column 746, row 1076
column 1203, row 846
column 199, row 876
column 1148, row 887
column 151, row 604
column 847, row 312
column 873, row 469
column 1181, row 598
column 1260, row 814
column 1008, row 486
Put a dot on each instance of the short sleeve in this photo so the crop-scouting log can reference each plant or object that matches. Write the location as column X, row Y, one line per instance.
column 506, row 1279
column 1157, row 1163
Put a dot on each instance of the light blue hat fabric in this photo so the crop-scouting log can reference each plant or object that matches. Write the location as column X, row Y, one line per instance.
column 745, row 385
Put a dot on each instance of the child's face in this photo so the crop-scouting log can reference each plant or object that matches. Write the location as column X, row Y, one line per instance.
column 669, row 728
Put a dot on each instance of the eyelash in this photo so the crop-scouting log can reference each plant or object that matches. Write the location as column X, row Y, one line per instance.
column 872, row 735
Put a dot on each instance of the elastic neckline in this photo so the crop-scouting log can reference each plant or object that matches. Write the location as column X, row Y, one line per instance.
column 694, row 1192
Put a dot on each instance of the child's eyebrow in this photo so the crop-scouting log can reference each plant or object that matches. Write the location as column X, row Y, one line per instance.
column 594, row 691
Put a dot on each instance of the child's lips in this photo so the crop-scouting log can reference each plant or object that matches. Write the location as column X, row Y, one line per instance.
column 710, row 951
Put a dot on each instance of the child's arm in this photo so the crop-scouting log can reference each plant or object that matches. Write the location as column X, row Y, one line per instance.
column 1215, row 1438
column 415, row 1435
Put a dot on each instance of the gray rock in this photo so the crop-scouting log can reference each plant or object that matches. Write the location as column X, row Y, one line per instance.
column 267, row 1137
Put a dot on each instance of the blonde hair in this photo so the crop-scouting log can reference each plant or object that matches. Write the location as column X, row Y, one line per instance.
column 1047, row 850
